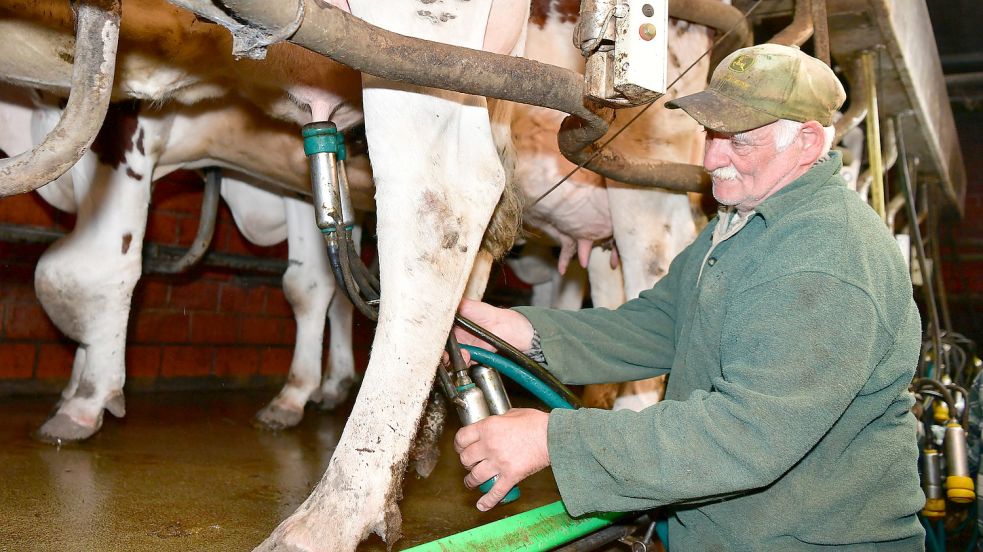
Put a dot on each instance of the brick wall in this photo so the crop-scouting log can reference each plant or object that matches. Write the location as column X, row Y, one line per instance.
column 207, row 327
column 963, row 273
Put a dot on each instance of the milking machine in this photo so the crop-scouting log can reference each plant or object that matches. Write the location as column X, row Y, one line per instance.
column 476, row 392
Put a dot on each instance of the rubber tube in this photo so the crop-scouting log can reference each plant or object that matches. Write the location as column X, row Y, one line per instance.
column 522, row 360
column 519, row 375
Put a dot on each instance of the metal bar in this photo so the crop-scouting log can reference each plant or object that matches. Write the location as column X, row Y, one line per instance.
column 154, row 254
column 874, row 137
column 820, row 30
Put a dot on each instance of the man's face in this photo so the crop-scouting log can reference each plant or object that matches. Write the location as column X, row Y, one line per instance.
column 747, row 167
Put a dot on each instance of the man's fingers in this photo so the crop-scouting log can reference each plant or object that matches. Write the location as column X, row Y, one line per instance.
column 481, row 472
column 470, row 457
column 495, row 495
column 465, row 437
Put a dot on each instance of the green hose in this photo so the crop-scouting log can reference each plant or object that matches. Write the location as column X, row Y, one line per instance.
column 517, row 374
column 540, row 529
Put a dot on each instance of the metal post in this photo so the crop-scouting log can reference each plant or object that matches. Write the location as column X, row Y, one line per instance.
column 874, row 136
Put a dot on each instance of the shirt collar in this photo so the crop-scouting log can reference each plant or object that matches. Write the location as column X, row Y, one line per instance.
column 801, row 188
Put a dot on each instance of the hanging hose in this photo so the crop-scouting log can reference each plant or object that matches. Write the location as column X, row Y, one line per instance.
column 920, row 249
column 516, row 373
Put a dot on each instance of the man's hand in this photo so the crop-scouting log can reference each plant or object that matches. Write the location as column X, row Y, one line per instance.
column 511, row 446
column 506, row 324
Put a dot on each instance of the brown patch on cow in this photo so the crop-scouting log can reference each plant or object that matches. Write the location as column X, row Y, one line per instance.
column 566, row 11
column 67, row 57
column 115, row 138
column 86, row 390
column 133, row 174
column 127, row 238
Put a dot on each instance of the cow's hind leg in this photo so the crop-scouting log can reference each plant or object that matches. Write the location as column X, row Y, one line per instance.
column 85, row 280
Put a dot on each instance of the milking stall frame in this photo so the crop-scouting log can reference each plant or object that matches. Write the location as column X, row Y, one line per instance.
column 884, row 50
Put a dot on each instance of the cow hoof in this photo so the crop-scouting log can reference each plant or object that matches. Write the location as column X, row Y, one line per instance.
column 331, row 400
column 61, row 428
column 274, row 417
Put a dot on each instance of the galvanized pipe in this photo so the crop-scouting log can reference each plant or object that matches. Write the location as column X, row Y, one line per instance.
column 889, row 156
column 206, row 225
column 97, row 35
column 351, row 41
column 800, row 29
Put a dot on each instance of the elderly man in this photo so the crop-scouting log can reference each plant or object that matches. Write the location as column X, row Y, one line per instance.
column 788, row 330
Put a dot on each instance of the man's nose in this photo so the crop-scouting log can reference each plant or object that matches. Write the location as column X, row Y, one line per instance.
column 715, row 156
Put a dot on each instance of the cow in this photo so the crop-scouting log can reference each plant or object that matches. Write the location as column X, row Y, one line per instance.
column 111, row 196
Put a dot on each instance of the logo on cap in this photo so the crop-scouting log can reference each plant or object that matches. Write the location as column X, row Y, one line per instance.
column 742, row 63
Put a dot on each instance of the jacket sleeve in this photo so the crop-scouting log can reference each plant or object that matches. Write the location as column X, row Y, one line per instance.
column 795, row 351
column 634, row 341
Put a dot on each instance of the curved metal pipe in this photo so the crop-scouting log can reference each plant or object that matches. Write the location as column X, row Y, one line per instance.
column 854, row 115
column 351, row 41
column 718, row 16
column 896, row 204
column 97, row 35
column 206, row 225
column 800, row 29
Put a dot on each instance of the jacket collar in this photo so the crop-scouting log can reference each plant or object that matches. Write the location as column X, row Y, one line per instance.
column 802, row 188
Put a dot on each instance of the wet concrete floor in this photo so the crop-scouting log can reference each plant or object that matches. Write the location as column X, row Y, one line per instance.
column 187, row 472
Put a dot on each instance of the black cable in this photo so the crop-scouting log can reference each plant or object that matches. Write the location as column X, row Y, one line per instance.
column 946, row 395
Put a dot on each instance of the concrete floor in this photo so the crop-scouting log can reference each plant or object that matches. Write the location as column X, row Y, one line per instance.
column 187, row 471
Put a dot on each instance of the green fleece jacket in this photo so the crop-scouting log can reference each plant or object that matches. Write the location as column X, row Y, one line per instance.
column 786, row 426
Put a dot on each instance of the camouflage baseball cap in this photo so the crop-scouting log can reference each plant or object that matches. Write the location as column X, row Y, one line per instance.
column 755, row 86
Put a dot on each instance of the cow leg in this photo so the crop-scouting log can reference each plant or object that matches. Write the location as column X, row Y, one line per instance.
column 308, row 287
column 427, row 242
column 85, row 280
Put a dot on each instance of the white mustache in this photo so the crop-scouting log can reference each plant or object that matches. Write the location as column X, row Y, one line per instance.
column 725, row 173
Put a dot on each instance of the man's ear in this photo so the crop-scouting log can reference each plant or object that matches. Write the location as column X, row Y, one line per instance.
column 813, row 138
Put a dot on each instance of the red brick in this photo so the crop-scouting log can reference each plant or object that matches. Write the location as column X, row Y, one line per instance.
column 17, row 360
column 28, row 321
column 162, row 228
column 186, row 361
column 55, row 360
column 241, row 299
column 197, row 294
column 265, row 330
column 28, row 209
column 236, row 361
column 151, row 293
column 155, row 326
column 187, row 229
column 213, row 327
column 275, row 361
column 178, row 193
column 277, row 304
column 17, row 290
column 143, row 361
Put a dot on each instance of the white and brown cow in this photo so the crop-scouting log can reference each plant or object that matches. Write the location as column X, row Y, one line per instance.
column 649, row 226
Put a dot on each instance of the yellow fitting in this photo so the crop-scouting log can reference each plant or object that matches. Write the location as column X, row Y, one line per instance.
column 940, row 412
column 959, row 489
column 934, row 508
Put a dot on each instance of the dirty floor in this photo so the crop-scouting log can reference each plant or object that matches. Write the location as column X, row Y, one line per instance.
column 187, row 471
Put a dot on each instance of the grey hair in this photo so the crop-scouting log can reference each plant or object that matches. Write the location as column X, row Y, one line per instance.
column 786, row 130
